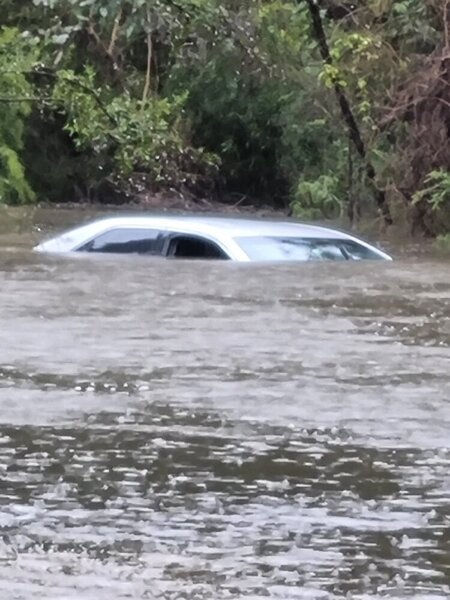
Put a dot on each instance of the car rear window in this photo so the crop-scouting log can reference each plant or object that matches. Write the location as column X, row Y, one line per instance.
column 304, row 249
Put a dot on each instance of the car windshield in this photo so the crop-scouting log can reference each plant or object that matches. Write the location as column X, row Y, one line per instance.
column 303, row 249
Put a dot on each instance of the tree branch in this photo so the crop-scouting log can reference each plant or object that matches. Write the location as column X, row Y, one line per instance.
column 149, row 60
column 103, row 48
column 347, row 112
column 5, row 100
column 115, row 32
column 72, row 81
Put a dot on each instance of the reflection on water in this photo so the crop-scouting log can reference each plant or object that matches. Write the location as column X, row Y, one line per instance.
column 181, row 430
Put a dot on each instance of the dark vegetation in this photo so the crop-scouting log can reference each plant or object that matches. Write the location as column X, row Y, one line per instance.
column 323, row 108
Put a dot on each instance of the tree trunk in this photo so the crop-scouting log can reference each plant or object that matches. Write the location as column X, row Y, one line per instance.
column 347, row 112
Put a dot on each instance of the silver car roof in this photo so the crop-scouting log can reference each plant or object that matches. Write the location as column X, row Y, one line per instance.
column 221, row 229
column 215, row 225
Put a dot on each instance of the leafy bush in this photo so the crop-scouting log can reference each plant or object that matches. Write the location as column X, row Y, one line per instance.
column 436, row 191
column 15, row 58
column 442, row 244
column 141, row 95
column 125, row 136
column 432, row 201
column 321, row 197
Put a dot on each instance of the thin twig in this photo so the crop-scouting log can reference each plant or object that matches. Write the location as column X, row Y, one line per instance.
column 93, row 93
column 55, row 77
column 77, row 83
column 149, row 60
column 92, row 32
column 6, row 100
column 446, row 31
column 115, row 32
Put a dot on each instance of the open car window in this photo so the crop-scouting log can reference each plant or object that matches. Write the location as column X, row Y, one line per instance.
column 270, row 248
column 193, row 247
column 127, row 241
column 355, row 251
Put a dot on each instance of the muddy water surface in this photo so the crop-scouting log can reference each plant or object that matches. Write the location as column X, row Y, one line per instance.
column 182, row 430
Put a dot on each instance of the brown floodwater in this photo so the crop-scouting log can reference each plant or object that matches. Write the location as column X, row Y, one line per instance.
column 188, row 430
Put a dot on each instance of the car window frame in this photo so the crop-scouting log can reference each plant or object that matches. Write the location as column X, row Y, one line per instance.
column 160, row 231
column 167, row 232
column 338, row 242
column 197, row 236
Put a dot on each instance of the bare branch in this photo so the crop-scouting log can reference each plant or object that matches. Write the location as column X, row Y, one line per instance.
column 446, row 23
column 103, row 48
column 6, row 100
column 149, row 59
column 115, row 32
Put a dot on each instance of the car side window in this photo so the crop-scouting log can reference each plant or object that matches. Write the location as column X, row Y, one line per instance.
column 324, row 250
column 355, row 251
column 189, row 246
column 127, row 241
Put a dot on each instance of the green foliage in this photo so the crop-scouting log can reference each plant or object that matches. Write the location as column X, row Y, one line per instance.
column 436, row 191
column 239, row 121
column 414, row 25
column 321, row 197
column 156, row 94
column 14, row 188
column 442, row 244
column 243, row 93
column 15, row 57
column 125, row 135
column 432, row 202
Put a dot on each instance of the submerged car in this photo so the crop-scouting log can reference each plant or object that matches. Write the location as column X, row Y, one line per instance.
column 206, row 237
